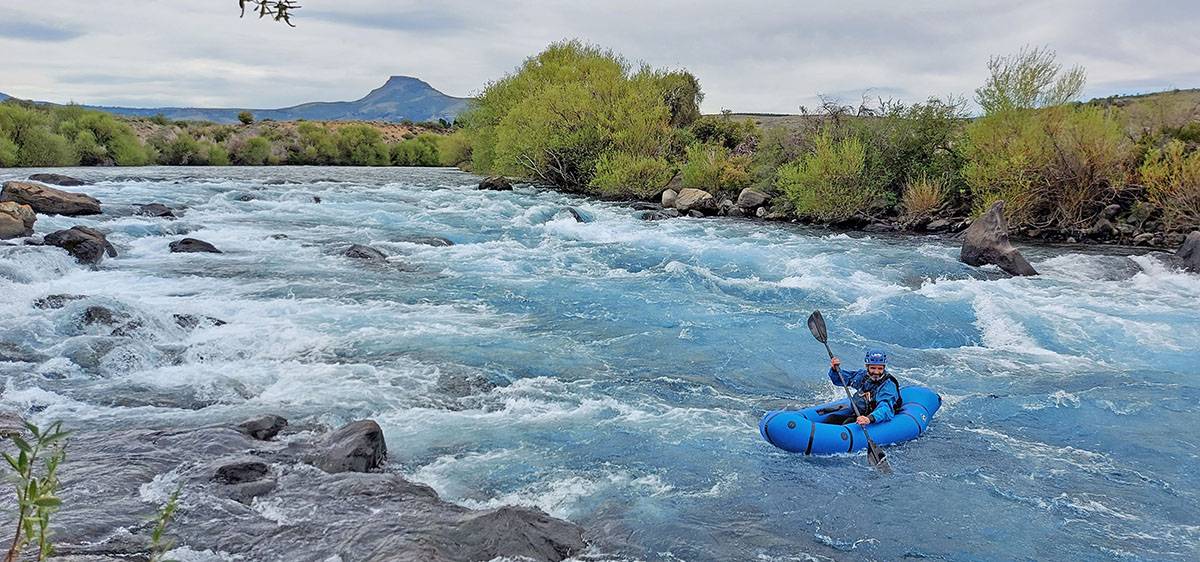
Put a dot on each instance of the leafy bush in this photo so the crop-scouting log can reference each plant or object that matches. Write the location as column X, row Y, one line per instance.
column 711, row 167
column 1172, row 181
column 8, row 153
column 36, row 487
column 619, row 174
column 830, row 182
column 419, row 151
column 255, row 151
column 562, row 111
column 923, row 196
column 315, row 145
column 245, row 117
column 723, row 130
column 454, row 149
column 1030, row 79
column 362, row 145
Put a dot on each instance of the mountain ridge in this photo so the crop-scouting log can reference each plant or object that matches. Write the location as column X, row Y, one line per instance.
column 401, row 98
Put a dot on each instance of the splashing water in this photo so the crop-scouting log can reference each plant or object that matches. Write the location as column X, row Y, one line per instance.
column 633, row 361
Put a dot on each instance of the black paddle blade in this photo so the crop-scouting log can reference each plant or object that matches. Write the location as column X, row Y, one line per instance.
column 816, row 324
column 878, row 458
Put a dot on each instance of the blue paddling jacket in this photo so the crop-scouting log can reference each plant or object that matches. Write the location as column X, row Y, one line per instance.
column 879, row 398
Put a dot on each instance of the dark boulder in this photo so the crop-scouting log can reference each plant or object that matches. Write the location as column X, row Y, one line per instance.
column 88, row 245
column 264, row 427
column 577, row 215
column 986, row 241
column 355, row 447
column 509, row 529
column 192, row 321
column 495, row 183
column 361, row 252
column 16, row 220
column 938, row 225
column 54, row 302
column 645, row 206
column 57, row 179
column 155, row 210
column 696, row 214
column 654, row 215
column 1189, row 252
column 192, row 245
column 49, row 201
column 98, row 315
column 240, row 471
column 427, row 240
column 880, row 227
column 460, row 385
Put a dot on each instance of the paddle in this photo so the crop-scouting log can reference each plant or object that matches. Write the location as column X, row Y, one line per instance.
column 816, row 324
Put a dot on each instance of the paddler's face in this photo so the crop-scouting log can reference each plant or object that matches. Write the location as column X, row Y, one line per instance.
column 875, row 371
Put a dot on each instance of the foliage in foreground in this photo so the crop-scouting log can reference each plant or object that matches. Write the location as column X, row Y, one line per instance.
column 35, row 477
column 830, row 183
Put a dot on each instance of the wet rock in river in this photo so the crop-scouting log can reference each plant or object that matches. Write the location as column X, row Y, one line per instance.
column 192, row 245
column 691, row 199
column 1189, row 252
column 363, row 252
column 56, row 301
column 16, row 220
column 263, row 428
column 49, row 201
column 156, row 210
column 16, row 353
column 459, row 385
column 495, row 183
column 87, row 245
column 668, row 198
column 986, row 241
column 355, row 447
column 427, row 240
column 57, row 179
column 11, row 424
column 241, row 471
column 192, row 321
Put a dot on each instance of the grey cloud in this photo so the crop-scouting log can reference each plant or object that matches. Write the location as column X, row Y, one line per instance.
column 13, row 27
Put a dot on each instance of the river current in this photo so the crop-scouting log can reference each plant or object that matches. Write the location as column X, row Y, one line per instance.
column 632, row 361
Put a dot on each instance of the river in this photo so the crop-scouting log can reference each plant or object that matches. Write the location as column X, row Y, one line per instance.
column 632, row 360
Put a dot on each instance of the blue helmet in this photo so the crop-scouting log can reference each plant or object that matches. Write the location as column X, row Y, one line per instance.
column 875, row 357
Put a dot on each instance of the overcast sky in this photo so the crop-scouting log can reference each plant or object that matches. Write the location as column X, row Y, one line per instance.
column 769, row 56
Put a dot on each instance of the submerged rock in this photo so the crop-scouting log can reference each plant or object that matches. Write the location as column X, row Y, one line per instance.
column 192, row 245
column 245, row 470
column 362, row 252
column 57, row 179
column 577, row 215
column 495, row 183
column 263, row 428
column 15, row 353
column 16, row 220
column 87, row 245
column 54, row 302
column 191, row 321
column 49, row 201
column 461, row 385
column 155, row 210
column 986, row 241
column 427, row 240
column 1189, row 252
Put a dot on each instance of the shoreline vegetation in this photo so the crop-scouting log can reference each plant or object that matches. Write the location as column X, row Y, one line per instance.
column 582, row 119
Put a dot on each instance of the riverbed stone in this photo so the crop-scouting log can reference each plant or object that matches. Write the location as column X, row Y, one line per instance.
column 155, row 210
column 16, row 220
column 986, row 242
column 692, row 199
column 192, row 246
column 56, row 301
column 87, row 245
column 264, row 427
column 242, row 470
column 495, row 183
column 355, row 447
column 363, row 252
column 1189, row 252
column 57, row 179
column 49, row 201
column 427, row 240
column 668, row 198
column 751, row 198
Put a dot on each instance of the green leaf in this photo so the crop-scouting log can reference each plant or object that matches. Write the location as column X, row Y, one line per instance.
column 47, row 501
column 12, row 462
column 32, row 428
column 21, row 444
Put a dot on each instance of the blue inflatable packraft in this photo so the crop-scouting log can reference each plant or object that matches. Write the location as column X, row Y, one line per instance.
column 804, row 431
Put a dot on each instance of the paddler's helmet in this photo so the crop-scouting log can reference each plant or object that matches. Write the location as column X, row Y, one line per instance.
column 875, row 357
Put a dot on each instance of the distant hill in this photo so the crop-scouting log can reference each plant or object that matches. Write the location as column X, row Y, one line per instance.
column 400, row 98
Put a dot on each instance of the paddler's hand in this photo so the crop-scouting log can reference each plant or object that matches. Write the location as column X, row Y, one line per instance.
column 863, row 421
column 834, row 363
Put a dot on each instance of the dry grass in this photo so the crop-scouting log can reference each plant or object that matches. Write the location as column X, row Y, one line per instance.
column 923, row 196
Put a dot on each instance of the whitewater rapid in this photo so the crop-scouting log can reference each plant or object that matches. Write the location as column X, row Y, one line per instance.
column 631, row 361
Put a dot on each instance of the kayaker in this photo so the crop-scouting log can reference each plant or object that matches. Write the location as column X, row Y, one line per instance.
column 878, row 391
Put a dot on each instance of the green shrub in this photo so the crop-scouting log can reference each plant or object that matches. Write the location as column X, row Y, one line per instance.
column 561, row 111
column 711, row 167
column 1172, row 181
column 923, row 196
column 255, row 151
column 619, row 174
column 183, row 150
column 362, row 145
column 418, row 151
column 245, row 117
column 829, row 183
column 215, row 154
column 723, row 130
column 8, row 153
column 315, row 145
column 454, row 149
column 1030, row 79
